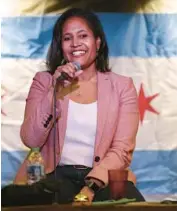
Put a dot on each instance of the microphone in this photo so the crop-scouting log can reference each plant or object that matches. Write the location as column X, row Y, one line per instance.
column 65, row 76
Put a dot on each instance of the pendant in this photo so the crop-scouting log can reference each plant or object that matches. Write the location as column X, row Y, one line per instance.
column 78, row 93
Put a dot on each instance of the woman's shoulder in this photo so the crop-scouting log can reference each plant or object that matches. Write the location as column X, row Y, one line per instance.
column 122, row 83
column 43, row 74
column 118, row 78
column 43, row 77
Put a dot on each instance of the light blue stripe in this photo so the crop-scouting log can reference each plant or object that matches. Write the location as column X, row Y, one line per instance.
column 156, row 171
column 128, row 35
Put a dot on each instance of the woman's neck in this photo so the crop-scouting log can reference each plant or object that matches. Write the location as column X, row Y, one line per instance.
column 88, row 74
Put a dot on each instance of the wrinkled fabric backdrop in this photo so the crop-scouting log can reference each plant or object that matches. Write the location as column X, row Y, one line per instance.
column 142, row 38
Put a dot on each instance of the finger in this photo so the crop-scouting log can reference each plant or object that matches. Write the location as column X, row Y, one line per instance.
column 81, row 204
column 78, row 73
column 67, row 70
column 88, row 203
column 72, row 69
column 64, row 68
column 77, row 204
column 68, row 66
column 90, row 198
column 57, row 74
column 66, row 83
column 74, row 66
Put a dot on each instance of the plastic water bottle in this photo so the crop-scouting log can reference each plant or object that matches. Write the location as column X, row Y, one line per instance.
column 35, row 166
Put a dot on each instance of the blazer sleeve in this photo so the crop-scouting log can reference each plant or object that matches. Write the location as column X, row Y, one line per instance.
column 38, row 118
column 119, row 155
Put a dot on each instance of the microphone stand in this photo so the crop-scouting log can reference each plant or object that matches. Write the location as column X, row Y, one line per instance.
column 64, row 76
column 54, row 140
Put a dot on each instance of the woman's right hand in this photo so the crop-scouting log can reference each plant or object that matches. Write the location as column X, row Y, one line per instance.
column 68, row 68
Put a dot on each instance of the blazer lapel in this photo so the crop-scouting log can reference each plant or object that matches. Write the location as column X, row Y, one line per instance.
column 63, row 121
column 103, row 96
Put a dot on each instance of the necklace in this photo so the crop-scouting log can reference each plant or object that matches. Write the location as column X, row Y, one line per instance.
column 78, row 93
column 76, row 88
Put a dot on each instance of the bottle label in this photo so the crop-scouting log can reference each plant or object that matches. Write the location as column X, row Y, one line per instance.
column 35, row 173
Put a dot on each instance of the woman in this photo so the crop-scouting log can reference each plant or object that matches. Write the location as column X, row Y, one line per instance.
column 97, row 111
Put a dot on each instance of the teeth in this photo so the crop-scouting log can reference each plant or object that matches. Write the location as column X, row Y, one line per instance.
column 76, row 53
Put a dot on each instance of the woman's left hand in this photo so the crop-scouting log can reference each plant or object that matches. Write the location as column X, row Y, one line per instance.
column 88, row 193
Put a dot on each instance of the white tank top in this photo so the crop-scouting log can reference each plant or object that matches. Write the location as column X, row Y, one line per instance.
column 79, row 141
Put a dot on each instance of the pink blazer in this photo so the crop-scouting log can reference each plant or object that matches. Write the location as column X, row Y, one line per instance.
column 117, row 124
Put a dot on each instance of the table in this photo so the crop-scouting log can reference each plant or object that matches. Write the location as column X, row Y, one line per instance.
column 136, row 206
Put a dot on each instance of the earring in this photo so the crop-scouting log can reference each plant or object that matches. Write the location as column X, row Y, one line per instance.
column 63, row 61
column 97, row 50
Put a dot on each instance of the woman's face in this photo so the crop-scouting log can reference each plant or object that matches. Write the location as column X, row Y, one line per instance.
column 78, row 42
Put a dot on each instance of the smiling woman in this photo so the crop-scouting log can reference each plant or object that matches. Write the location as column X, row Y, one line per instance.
column 97, row 127
column 79, row 43
column 79, row 30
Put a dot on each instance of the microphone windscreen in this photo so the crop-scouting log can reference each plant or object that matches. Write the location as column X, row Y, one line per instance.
column 77, row 66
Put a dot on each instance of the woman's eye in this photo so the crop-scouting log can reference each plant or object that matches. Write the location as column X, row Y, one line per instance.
column 83, row 35
column 66, row 38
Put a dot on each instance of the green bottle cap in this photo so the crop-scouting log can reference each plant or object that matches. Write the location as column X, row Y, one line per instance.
column 36, row 149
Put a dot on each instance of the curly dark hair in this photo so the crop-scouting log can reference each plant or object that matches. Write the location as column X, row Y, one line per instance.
column 55, row 54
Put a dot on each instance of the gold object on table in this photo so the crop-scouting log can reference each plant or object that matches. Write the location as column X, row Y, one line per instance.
column 80, row 197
